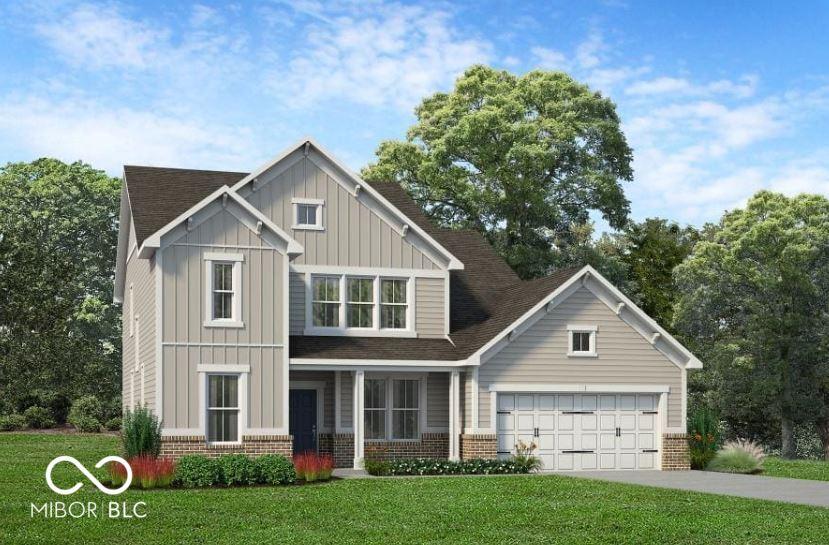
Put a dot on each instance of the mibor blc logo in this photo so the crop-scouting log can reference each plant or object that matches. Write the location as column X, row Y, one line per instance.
column 88, row 509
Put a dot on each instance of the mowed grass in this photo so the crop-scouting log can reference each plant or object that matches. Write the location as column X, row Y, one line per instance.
column 813, row 470
column 519, row 509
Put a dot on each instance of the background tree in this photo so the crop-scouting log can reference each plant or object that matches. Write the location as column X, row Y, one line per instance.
column 59, row 333
column 522, row 159
column 753, row 304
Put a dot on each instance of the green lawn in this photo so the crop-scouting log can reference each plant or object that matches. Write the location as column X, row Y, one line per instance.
column 522, row 509
column 813, row 470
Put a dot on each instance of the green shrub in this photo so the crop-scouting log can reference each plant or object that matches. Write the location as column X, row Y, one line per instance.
column 235, row 469
column 142, row 433
column 741, row 456
column 704, row 437
column 195, row 470
column 274, row 469
column 12, row 422
column 113, row 424
column 86, row 413
column 426, row 466
column 38, row 418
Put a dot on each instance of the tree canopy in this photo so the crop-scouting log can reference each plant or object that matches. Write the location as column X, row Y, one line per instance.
column 523, row 159
column 59, row 332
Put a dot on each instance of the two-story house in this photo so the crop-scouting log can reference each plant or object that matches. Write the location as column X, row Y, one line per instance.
column 299, row 308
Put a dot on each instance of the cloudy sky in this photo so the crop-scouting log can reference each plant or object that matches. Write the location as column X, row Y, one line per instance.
column 717, row 99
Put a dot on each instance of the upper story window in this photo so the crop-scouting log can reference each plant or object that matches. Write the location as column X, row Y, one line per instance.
column 308, row 213
column 359, row 305
column 581, row 340
column 223, row 297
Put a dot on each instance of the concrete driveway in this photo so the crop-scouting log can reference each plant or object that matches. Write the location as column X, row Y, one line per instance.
column 745, row 486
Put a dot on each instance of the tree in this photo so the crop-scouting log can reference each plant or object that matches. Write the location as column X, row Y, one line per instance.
column 753, row 303
column 59, row 332
column 651, row 251
column 524, row 160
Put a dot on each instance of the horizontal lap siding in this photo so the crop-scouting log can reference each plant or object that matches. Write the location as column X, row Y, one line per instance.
column 297, row 288
column 429, row 307
column 437, row 400
column 353, row 235
column 539, row 355
column 347, row 405
column 140, row 274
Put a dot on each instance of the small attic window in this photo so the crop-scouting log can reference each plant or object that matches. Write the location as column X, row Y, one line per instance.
column 581, row 340
column 308, row 214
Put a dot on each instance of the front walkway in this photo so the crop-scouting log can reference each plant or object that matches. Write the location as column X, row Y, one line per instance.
column 745, row 486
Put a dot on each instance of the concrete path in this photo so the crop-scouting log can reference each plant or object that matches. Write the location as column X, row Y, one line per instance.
column 746, row 486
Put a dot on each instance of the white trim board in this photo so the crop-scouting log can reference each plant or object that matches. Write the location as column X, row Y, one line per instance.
column 575, row 388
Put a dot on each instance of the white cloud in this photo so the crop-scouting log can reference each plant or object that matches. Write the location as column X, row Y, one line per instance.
column 549, row 59
column 587, row 52
column 666, row 85
column 390, row 54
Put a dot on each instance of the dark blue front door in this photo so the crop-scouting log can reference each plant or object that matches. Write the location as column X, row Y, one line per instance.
column 303, row 420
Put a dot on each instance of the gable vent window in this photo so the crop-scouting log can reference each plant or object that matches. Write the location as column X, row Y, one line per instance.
column 308, row 214
column 582, row 340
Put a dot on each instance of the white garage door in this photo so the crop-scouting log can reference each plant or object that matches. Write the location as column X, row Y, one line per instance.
column 581, row 431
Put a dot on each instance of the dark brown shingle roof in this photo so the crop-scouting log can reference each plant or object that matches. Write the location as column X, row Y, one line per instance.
column 486, row 296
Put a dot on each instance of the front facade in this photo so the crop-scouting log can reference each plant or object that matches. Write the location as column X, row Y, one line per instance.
column 301, row 308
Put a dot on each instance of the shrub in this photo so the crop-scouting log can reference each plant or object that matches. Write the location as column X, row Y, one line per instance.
column 38, row 418
column 85, row 414
column 195, row 470
column 142, row 433
column 704, row 437
column 12, row 422
column 524, row 457
column 742, row 456
column 426, row 466
column 147, row 472
column 235, row 469
column 311, row 466
column 113, row 424
column 274, row 469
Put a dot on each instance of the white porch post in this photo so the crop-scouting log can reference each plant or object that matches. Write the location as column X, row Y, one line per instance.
column 358, row 418
column 454, row 413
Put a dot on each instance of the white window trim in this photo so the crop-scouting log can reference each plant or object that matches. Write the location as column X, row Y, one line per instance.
column 241, row 371
column 319, row 203
column 236, row 260
column 375, row 331
column 422, row 409
column 577, row 328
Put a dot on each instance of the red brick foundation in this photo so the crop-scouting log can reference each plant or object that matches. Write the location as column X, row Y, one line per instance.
column 431, row 445
column 675, row 455
column 479, row 446
column 338, row 445
column 252, row 445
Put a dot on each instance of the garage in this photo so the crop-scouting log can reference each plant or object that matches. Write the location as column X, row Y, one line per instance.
column 582, row 431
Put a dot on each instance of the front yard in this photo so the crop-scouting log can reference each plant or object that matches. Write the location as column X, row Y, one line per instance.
column 529, row 509
column 813, row 470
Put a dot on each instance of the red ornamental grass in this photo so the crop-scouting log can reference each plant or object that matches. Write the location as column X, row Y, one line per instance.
column 310, row 466
column 147, row 472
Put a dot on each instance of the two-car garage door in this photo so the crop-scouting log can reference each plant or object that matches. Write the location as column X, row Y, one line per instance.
column 581, row 431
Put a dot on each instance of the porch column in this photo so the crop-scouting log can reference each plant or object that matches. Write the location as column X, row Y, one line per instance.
column 358, row 418
column 454, row 414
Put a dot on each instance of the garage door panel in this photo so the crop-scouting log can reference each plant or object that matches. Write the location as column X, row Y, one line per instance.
column 627, row 421
column 627, row 441
column 506, row 442
column 566, row 441
column 607, row 422
column 566, row 422
column 506, row 422
column 607, row 441
column 546, row 441
column 647, row 403
column 589, row 422
column 627, row 460
column 589, row 461
column 647, row 421
column 589, row 441
column 565, row 461
column 546, row 402
column 647, row 460
column 646, row 440
column 526, row 402
column 525, row 421
column 607, row 461
column 547, row 421
column 506, row 402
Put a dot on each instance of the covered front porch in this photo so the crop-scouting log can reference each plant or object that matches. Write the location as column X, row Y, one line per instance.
column 376, row 413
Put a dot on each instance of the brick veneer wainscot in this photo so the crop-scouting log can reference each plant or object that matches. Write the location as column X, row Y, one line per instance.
column 340, row 446
column 479, row 446
column 675, row 453
column 252, row 445
column 431, row 445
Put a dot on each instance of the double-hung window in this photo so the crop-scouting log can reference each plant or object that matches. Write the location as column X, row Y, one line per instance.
column 392, row 409
column 222, row 408
column 360, row 309
column 393, row 303
column 223, row 297
column 325, row 301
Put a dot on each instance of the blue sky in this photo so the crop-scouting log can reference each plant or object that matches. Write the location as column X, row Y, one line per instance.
column 717, row 99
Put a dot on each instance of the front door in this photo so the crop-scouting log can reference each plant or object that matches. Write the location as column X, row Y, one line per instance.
column 303, row 420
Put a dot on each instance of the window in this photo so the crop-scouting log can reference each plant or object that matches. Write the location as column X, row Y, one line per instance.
column 392, row 405
column 582, row 340
column 325, row 301
column 308, row 214
column 393, row 306
column 222, row 408
column 222, row 291
column 223, row 294
column 360, row 302
column 375, row 409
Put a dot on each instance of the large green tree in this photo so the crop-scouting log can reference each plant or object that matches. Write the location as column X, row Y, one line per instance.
column 523, row 159
column 753, row 302
column 59, row 332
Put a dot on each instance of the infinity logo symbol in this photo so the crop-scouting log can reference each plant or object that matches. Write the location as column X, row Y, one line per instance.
column 90, row 476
